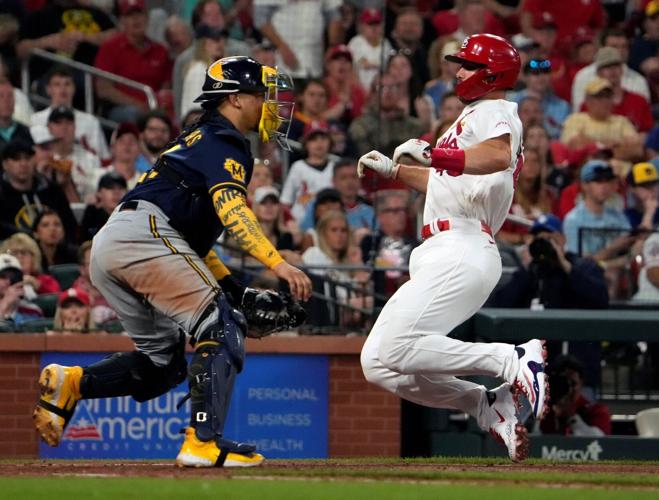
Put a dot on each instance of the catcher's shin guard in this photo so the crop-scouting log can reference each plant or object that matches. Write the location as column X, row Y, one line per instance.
column 219, row 356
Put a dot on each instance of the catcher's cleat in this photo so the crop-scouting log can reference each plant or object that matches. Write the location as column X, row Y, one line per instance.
column 196, row 453
column 531, row 379
column 500, row 419
column 60, row 392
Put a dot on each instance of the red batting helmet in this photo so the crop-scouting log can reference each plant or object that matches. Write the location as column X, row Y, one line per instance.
column 496, row 61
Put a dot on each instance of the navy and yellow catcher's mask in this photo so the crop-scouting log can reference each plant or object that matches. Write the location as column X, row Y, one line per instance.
column 231, row 75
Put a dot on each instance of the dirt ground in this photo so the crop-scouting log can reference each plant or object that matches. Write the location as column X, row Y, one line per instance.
column 30, row 468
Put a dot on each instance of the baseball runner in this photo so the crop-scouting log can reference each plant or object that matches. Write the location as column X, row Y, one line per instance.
column 469, row 189
column 153, row 261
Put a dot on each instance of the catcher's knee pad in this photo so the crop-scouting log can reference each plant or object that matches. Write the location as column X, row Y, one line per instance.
column 219, row 356
column 132, row 374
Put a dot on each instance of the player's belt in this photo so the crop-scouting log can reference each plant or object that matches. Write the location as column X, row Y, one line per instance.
column 440, row 225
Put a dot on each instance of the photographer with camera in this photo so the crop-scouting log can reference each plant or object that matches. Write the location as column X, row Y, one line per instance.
column 571, row 413
column 552, row 278
column 14, row 310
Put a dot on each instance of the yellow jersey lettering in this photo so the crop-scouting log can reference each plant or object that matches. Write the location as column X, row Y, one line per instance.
column 236, row 170
column 192, row 138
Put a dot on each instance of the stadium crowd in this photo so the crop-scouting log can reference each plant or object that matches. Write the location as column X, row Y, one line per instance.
column 369, row 75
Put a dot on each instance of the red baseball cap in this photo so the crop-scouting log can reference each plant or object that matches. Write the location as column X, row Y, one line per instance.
column 73, row 294
column 370, row 16
column 338, row 51
column 544, row 20
column 314, row 128
column 127, row 6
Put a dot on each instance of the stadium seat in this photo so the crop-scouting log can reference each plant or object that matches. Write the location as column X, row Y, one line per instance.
column 647, row 423
column 48, row 303
column 37, row 325
column 65, row 274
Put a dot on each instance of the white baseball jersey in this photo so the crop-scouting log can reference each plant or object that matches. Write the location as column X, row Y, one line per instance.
column 483, row 197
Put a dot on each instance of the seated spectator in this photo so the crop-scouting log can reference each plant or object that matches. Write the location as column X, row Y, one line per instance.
column 22, row 107
column 530, row 112
column 101, row 310
column 556, row 176
column 328, row 199
column 345, row 95
column 450, row 109
column 389, row 247
column 125, row 147
column 209, row 47
column 648, row 278
column 537, row 75
column 311, row 108
column 73, row 313
column 635, row 107
column 77, row 168
column 156, row 130
column 24, row 193
column 531, row 198
column 643, row 184
column 14, row 309
column 412, row 100
column 306, row 177
column 598, row 124
column 131, row 54
column 335, row 248
column 60, row 87
column 551, row 277
column 368, row 46
column 111, row 189
column 26, row 250
column 406, row 37
column 632, row 80
column 261, row 176
column 178, row 35
column 444, row 73
column 570, row 412
column 10, row 130
column 49, row 233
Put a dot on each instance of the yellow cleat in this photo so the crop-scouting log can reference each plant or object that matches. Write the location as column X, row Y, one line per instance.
column 196, row 453
column 60, row 391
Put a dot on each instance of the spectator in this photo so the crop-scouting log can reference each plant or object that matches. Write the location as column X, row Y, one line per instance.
column 530, row 112
column 368, row 46
column 60, row 87
column 537, row 75
column 44, row 154
column 648, row 279
column 551, row 277
column 634, row 106
column 73, row 313
column 265, row 53
column 131, row 54
column 209, row 47
column 599, row 125
column 389, row 247
column 178, row 36
column 155, row 133
column 443, row 80
column 26, row 250
column 77, row 167
column 299, row 44
column 261, row 176
column 24, row 193
column 345, row 97
column 570, row 413
column 101, row 310
column 406, row 38
column 645, row 45
column 312, row 107
column 208, row 12
column 412, row 100
column 335, row 248
column 12, row 16
column 557, row 176
column 22, row 107
column 125, row 147
column 594, row 229
column 643, row 184
column 67, row 27
column 328, row 199
column 9, row 128
column 49, row 233
column 632, row 80
column 14, row 309
column 111, row 189
column 307, row 177
column 384, row 125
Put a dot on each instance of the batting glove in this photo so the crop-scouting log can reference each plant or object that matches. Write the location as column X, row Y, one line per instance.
column 379, row 163
column 417, row 149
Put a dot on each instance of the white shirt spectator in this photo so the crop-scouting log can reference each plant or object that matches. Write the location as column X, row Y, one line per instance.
column 192, row 82
column 632, row 81
column 367, row 58
column 22, row 108
column 302, row 183
column 647, row 292
column 84, row 171
column 88, row 130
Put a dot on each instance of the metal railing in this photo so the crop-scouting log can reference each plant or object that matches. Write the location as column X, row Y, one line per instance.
column 88, row 72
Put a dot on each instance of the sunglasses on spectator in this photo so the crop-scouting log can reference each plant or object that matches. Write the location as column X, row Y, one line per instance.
column 539, row 66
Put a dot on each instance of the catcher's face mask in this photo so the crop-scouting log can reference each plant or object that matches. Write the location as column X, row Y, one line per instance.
column 278, row 105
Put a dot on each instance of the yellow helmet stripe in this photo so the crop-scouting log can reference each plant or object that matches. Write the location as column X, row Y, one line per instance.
column 215, row 70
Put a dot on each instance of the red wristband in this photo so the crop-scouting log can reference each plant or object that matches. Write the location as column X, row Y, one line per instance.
column 452, row 160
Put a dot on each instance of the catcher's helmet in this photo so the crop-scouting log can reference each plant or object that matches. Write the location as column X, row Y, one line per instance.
column 497, row 63
column 232, row 75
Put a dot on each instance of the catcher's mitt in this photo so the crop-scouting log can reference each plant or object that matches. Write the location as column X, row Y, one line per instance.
column 268, row 312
